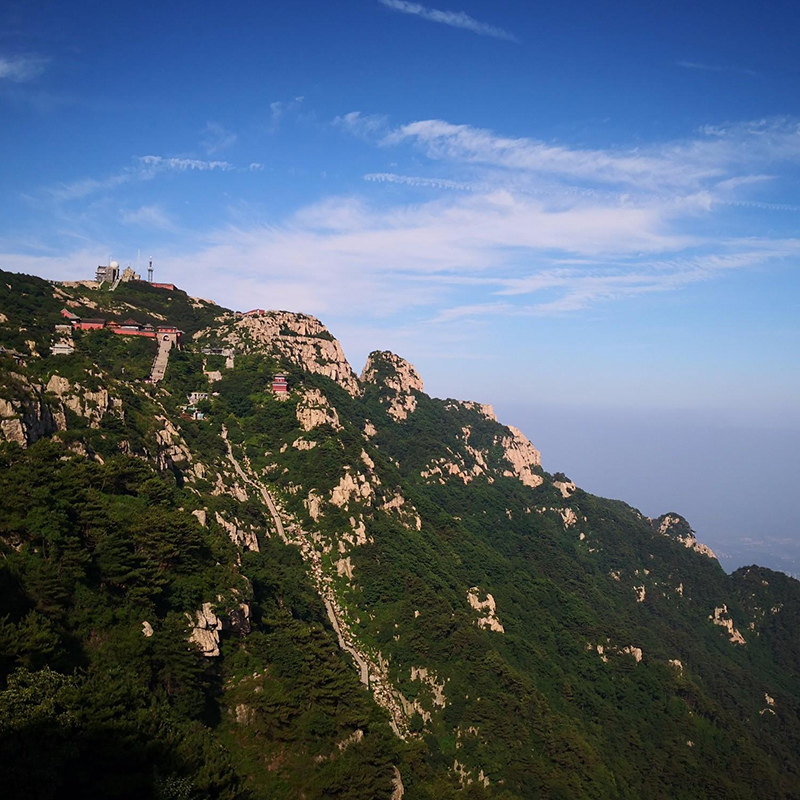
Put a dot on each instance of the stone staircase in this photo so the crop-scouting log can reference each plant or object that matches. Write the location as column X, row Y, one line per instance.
column 165, row 344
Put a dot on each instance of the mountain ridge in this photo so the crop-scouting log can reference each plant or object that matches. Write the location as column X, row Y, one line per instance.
column 519, row 636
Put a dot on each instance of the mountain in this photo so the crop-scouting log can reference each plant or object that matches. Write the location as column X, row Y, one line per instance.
column 215, row 587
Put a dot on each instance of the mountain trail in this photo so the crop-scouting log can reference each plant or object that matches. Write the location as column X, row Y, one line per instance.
column 372, row 675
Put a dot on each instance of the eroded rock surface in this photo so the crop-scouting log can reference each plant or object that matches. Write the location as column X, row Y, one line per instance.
column 722, row 618
column 301, row 339
column 522, row 456
column 676, row 527
column 487, row 607
column 397, row 380
column 314, row 410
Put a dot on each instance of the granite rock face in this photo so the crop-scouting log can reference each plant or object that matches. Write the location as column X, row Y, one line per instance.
column 522, row 456
column 676, row 527
column 397, row 380
column 300, row 339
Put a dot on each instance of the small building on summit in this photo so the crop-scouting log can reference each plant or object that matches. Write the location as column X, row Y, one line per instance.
column 280, row 387
column 108, row 274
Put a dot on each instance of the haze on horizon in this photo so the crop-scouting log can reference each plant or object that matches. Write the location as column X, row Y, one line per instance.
column 585, row 215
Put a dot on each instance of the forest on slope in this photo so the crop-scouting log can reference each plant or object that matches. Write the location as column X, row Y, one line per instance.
column 161, row 635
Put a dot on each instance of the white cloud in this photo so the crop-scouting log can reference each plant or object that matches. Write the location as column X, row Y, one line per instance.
column 365, row 126
column 508, row 227
column 442, row 140
column 455, row 19
column 279, row 109
column 160, row 163
column 22, row 68
column 419, row 182
column 716, row 154
column 152, row 216
column 217, row 138
column 86, row 186
column 146, row 168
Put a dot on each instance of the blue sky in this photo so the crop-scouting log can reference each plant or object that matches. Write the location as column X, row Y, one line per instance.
column 565, row 205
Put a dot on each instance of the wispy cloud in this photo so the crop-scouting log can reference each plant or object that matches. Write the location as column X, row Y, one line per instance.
column 22, row 68
column 508, row 226
column 280, row 109
column 717, row 153
column 86, row 186
column 152, row 216
column 455, row 19
column 160, row 163
column 216, row 138
column 445, row 141
column 145, row 168
column 365, row 126
column 713, row 67
column 419, row 182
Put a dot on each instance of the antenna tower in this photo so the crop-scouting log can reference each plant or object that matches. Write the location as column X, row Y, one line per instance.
column 150, row 271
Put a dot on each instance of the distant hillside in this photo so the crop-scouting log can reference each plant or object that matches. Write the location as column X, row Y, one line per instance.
column 355, row 590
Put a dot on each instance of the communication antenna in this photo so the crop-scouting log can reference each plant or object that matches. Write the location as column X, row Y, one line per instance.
column 150, row 271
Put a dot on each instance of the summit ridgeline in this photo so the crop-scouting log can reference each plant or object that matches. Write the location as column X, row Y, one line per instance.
column 239, row 570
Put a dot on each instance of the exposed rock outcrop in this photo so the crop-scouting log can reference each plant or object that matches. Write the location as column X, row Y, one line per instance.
column 407, row 513
column 205, row 633
column 314, row 410
column 28, row 417
column 300, row 339
column 207, row 627
column 484, row 409
column 676, row 527
column 246, row 539
column 351, row 487
column 397, row 381
column 92, row 405
column 487, row 607
column 522, row 456
column 722, row 618
column 172, row 450
column 565, row 487
column 442, row 468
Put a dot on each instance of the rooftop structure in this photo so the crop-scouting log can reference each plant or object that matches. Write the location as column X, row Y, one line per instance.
column 129, row 328
column 108, row 274
column 280, row 387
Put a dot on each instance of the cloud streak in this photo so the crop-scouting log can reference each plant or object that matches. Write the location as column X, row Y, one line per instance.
column 279, row 109
column 455, row 19
column 507, row 227
column 152, row 216
column 145, row 168
column 727, row 153
column 216, row 138
column 20, row 69
column 713, row 67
